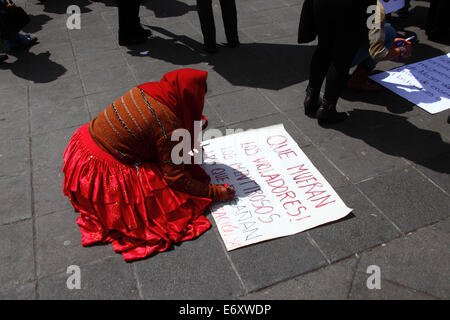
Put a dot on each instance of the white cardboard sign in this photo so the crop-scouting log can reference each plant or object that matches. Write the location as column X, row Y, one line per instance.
column 392, row 5
column 425, row 83
column 279, row 192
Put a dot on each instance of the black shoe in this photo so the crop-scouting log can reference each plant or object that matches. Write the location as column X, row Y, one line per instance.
column 145, row 32
column 136, row 38
column 233, row 43
column 210, row 48
column 3, row 57
column 327, row 114
column 312, row 102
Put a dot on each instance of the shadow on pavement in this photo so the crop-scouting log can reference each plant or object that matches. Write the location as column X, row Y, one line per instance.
column 395, row 135
column 255, row 65
column 34, row 67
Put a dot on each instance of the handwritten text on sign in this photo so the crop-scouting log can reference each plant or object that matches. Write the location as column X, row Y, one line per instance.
column 425, row 83
column 279, row 192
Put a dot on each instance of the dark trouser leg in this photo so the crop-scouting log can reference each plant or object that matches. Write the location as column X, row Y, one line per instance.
column 229, row 15
column 205, row 14
column 129, row 23
column 320, row 63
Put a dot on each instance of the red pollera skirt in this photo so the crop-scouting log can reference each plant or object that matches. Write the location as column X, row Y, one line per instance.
column 130, row 206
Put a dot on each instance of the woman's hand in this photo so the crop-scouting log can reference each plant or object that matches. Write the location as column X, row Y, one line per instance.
column 220, row 193
column 400, row 48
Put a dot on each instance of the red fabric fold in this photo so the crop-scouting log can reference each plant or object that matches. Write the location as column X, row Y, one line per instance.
column 131, row 207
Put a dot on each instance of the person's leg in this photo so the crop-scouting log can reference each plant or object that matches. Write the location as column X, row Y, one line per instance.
column 130, row 29
column 19, row 42
column 404, row 12
column 359, row 80
column 320, row 63
column 229, row 15
column 206, row 17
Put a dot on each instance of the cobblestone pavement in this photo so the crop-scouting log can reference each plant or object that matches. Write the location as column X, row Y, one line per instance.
column 390, row 162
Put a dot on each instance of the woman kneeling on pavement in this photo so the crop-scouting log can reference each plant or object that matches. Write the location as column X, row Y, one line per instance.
column 119, row 173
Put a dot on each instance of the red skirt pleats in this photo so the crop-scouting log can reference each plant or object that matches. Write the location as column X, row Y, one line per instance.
column 130, row 206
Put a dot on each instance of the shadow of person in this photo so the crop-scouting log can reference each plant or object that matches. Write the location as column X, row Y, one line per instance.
column 34, row 67
column 36, row 23
column 60, row 6
column 396, row 135
column 168, row 8
column 255, row 65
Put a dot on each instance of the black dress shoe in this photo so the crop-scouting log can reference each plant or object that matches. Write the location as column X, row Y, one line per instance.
column 3, row 57
column 327, row 114
column 210, row 47
column 233, row 43
column 132, row 39
column 145, row 32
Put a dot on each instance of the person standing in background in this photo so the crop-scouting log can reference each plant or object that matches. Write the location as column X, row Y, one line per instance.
column 206, row 16
column 130, row 29
column 438, row 21
column 341, row 27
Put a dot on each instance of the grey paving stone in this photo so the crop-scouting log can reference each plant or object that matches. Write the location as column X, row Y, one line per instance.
column 419, row 261
column 248, row 17
column 68, row 114
column 59, row 243
column 261, row 5
column 15, row 197
column 332, row 282
column 14, row 156
column 388, row 291
column 94, row 62
column 21, row 292
column 16, row 254
column 263, row 65
column 335, row 178
column 398, row 136
column 362, row 229
column 407, row 198
column 13, row 98
column 54, row 94
column 218, row 85
column 112, row 78
column 14, row 115
column 263, row 33
column 214, row 120
column 90, row 29
column 437, row 169
column 95, row 45
column 357, row 160
column 269, row 121
column 270, row 262
column 9, row 78
column 108, row 279
column 152, row 71
column 196, row 269
column 57, row 51
column 48, row 190
column 241, row 106
column 289, row 98
column 48, row 148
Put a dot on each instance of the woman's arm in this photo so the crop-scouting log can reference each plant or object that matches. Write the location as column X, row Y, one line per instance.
column 181, row 180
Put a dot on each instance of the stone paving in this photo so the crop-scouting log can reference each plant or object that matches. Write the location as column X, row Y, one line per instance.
column 390, row 162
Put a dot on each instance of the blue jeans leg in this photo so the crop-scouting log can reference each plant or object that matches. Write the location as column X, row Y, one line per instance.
column 19, row 41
